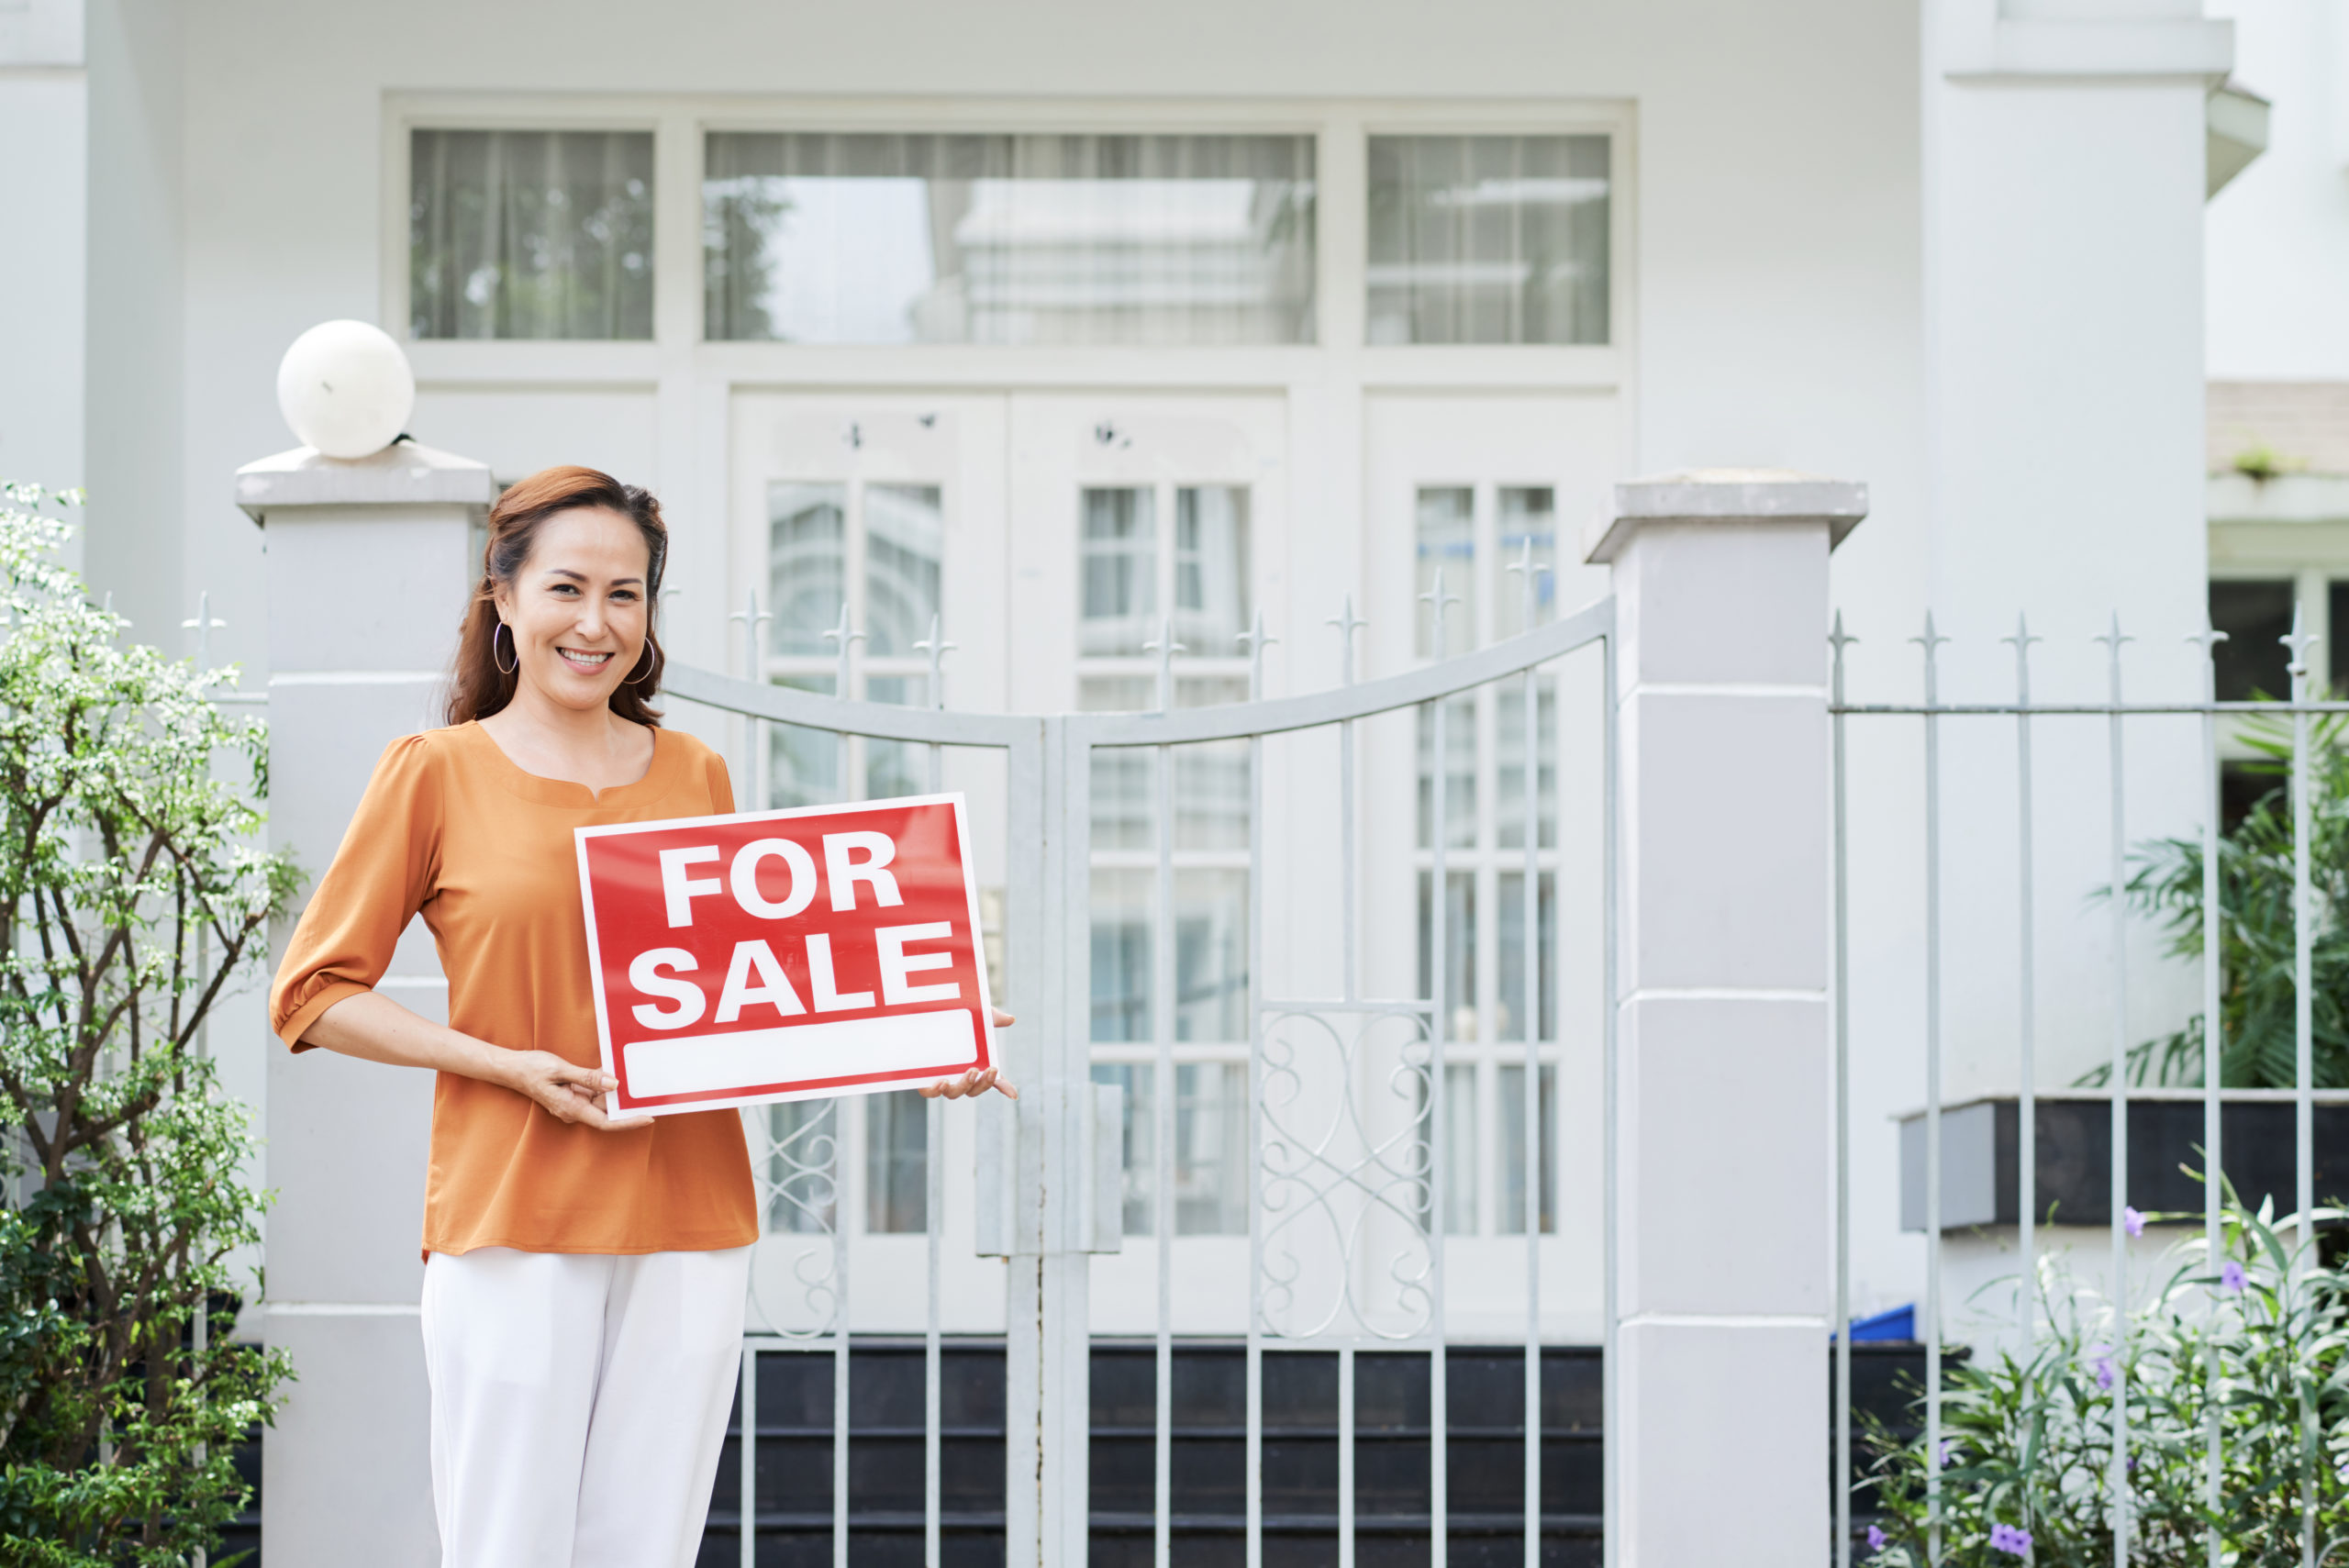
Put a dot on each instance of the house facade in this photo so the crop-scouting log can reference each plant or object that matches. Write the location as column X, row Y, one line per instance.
column 1067, row 331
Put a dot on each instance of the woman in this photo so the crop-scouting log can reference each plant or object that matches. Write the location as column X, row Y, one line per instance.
column 585, row 1274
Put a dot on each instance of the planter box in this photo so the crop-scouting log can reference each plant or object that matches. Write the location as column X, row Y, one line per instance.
column 1979, row 1165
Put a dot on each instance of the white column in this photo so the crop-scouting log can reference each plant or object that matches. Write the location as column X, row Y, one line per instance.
column 2064, row 150
column 1722, row 1114
column 368, row 565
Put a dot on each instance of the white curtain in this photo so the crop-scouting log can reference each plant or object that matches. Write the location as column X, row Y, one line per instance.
column 531, row 234
column 1488, row 239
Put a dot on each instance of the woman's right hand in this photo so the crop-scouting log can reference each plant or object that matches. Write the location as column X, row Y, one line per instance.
column 568, row 1091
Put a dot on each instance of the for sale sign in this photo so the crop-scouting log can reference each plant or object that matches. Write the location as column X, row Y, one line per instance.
column 778, row 955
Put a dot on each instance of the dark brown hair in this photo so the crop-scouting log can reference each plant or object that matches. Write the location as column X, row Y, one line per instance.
column 478, row 686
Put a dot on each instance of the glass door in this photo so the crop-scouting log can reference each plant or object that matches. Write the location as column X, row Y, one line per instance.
column 1482, row 503
column 1142, row 520
column 874, row 525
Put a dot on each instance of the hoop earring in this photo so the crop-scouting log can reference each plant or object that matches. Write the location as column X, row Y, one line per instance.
column 503, row 669
column 636, row 677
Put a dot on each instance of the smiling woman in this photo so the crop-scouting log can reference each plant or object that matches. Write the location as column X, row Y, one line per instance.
column 582, row 1306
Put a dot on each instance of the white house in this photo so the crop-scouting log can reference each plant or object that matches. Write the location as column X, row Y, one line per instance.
column 1061, row 322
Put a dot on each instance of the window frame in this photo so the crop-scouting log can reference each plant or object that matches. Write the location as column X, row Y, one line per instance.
column 1341, row 128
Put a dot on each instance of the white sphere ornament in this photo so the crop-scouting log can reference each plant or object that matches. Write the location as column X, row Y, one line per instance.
column 345, row 387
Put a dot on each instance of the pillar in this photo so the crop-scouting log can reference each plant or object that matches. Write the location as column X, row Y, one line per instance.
column 369, row 562
column 1721, row 1109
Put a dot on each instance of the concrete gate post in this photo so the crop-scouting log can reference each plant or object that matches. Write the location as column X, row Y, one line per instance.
column 368, row 563
column 1721, row 1126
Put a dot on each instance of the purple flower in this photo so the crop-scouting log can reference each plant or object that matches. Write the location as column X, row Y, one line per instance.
column 2010, row 1539
column 1877, row 1540
column 2133, row 1221
column 2230, row 1277
column 1949, row 1449
column 2100, row 1362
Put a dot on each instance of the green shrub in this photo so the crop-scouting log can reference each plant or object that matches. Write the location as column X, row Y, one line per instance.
column 2259, row 1347
column 130, row 899
column 2257, row 958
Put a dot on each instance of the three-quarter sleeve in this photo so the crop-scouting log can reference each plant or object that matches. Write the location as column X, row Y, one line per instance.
column 381, row 877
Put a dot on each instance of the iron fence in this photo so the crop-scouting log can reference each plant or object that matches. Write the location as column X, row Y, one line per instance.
column 2028, row 718
column 1348, row 1131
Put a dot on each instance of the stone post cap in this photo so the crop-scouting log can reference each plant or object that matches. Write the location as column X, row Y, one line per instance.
column 1731, row 495
column 403, row 473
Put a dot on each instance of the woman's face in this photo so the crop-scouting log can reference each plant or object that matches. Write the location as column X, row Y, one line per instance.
column 577, row 611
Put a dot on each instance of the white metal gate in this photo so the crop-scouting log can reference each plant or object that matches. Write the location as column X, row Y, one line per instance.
column 1349, row 1135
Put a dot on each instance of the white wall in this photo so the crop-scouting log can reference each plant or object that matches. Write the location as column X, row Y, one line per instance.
column 137, row 320
column 2063, row 210
column 44, row 96
column 2278, row 239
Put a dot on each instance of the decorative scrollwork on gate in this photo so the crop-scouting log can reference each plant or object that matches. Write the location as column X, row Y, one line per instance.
column 798, row 1181
column 1345, row 1172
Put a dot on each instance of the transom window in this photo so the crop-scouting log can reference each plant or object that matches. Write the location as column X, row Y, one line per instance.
column 1488, row 239
column 1042, row 239
column 817, row 238
column 531, row 234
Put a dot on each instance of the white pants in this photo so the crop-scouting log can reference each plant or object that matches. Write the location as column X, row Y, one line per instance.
column 579, row 1403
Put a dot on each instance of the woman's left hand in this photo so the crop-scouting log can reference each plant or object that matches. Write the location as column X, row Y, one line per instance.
column 975, row 1082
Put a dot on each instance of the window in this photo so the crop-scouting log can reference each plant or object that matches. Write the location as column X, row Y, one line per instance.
column 1488, row 239
column 2252, row 661
column 1484, row 537
column 531, row 234
column 812, row 238
column 1210, row 1146
column 1128, row 567
column 1484, row 1178
column 896, row 1164
column 877, row 552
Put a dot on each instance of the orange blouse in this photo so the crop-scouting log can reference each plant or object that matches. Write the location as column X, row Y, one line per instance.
column 452, row 828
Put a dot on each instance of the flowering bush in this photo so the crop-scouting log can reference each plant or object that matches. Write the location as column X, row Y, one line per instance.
column 2256, row 1350
column 130, row 899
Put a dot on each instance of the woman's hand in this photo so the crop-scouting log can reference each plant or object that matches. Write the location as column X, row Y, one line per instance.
column 568, row 1091
column 975, row 1082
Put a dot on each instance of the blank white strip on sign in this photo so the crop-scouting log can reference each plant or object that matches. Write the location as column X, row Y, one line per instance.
column 841, row 1048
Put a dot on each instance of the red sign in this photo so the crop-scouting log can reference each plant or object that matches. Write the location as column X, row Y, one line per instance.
column 782, row 956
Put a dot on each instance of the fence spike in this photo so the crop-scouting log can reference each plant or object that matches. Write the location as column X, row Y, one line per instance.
column 2299, row 642
column 938, row 648
column 1165, row 647
column 1254, row 639
column 1436, row 597
column 1347, row 625
column 204, row 625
